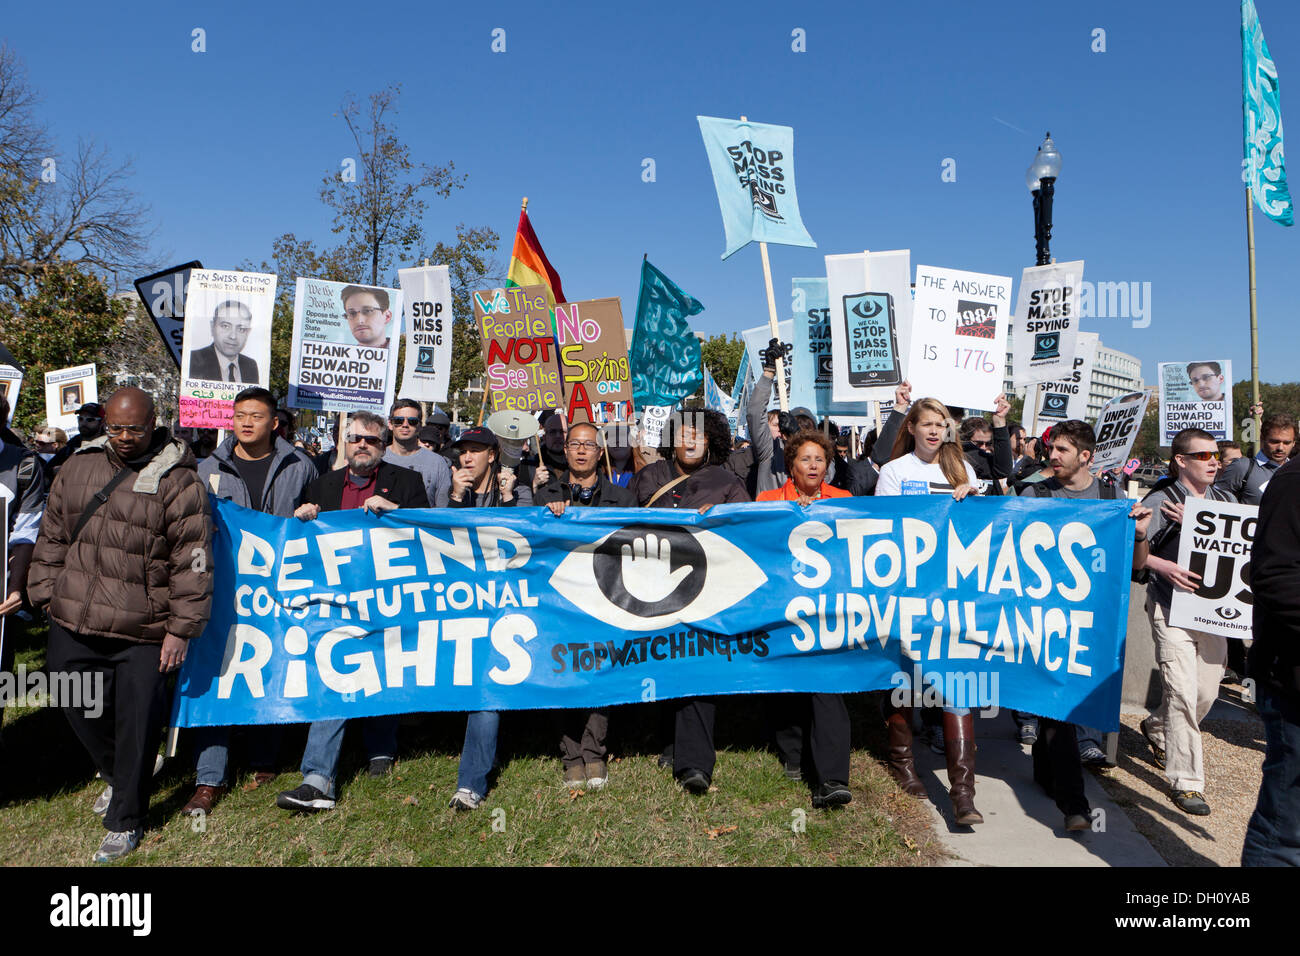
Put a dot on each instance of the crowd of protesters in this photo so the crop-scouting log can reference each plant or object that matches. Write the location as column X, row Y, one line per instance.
column 109, row 533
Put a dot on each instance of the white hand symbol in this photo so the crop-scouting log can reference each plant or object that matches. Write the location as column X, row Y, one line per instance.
column 647, row 573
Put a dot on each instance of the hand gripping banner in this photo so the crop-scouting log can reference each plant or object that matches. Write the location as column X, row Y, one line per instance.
column 1016, row 603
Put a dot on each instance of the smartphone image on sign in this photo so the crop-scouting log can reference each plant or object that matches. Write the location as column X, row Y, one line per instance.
column 823, row 367
column 872, row 339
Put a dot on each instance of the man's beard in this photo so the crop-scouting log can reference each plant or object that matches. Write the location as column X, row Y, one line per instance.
column 363, row 469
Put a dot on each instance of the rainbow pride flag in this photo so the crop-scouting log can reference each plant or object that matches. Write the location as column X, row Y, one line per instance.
column 529, row 265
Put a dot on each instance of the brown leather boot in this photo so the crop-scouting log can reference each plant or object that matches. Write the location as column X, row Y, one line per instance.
column 959, row 743
column 901, row 766
column 204, row 799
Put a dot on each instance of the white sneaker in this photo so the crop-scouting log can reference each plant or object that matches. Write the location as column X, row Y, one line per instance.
column 100, row 806
column 116, row 846
column 465, row 799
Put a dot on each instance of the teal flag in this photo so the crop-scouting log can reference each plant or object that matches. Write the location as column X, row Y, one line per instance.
column 753, row 172
column 1263, row 168
column 665, row 355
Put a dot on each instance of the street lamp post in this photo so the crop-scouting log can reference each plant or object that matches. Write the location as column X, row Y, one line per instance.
column 1041, row 180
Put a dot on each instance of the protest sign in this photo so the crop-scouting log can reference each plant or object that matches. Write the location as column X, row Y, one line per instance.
column 1216, row 543
column 344, row 353
column 227, row 343
column 11, row 382
column 653, row 420
column 1001, row 601
column 1117, row 427
column 514, row 327
column 753, row 172
column 756, row 340
column 1052, row 402
column 427, row 325
column 66, row 390
column 812, row 364
column 870, row 301
column 163, row 295
column 593, row 361
column 1046, row 323
column 1195, row 395
column 959, row 334
column 665, row 355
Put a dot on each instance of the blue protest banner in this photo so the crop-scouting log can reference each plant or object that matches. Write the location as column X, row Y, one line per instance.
column 1015, row 602
column 753, row 172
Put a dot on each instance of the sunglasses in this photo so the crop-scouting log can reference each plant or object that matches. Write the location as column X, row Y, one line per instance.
column 404, row 419
column 133, row 429
column 1202, row 455
column 365, row 439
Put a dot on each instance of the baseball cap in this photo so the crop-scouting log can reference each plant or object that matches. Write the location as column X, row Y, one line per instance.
column 477, row 435
column 438, row 418
column 801, row 410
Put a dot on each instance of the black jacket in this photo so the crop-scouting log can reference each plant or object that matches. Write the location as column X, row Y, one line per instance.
column 606, row 494
column 858, row 478
column 1275, row 582
column 403, row 487
column 709, row 485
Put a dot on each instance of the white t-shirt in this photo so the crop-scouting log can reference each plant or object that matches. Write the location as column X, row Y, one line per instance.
column 909, row 475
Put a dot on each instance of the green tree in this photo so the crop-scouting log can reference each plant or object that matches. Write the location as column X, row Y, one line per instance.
column 67, row 319
column 721, row 356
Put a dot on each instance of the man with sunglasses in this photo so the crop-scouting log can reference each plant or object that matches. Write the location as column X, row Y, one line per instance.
column 123, row 566
column 583, row 484
column 371, row 483
column 405, row 451
column 1191, row 662
column 90, row 425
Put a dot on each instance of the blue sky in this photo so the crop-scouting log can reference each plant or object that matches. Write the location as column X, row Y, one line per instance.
column 230, row 145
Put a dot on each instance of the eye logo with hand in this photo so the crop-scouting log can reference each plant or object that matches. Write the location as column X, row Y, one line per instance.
column 866, row 307
column 650, row 576
column 1228, row 613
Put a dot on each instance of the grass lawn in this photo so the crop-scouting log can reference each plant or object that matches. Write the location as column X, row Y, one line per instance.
column 752, row 816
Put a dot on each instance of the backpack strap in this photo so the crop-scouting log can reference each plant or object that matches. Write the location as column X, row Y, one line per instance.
column 101, row 496
column 665, row 488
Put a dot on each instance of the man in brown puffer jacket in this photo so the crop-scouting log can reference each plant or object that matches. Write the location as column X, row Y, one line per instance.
column 126, row 590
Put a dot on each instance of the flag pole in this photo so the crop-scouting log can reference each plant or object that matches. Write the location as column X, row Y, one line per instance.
column 771, row 318
column 1254, row 323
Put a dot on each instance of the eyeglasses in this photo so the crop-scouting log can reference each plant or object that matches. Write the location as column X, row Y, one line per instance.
column 132, row 429
column 227, row 327
column 365, row 439
column 583, row 445
column 1203, row 378
column 1202, row 455
column 404, row 419
column 368, row 311
column 982, row 444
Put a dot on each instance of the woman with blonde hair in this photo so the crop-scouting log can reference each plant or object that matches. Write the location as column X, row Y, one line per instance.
column 927, row 460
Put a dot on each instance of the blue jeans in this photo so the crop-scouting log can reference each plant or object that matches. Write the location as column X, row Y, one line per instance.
column 1273, row 836
column 320, row 758
column 480, row 751
column 212, row 748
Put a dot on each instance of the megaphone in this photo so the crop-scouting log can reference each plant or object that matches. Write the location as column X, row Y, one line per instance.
column 512, row 429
